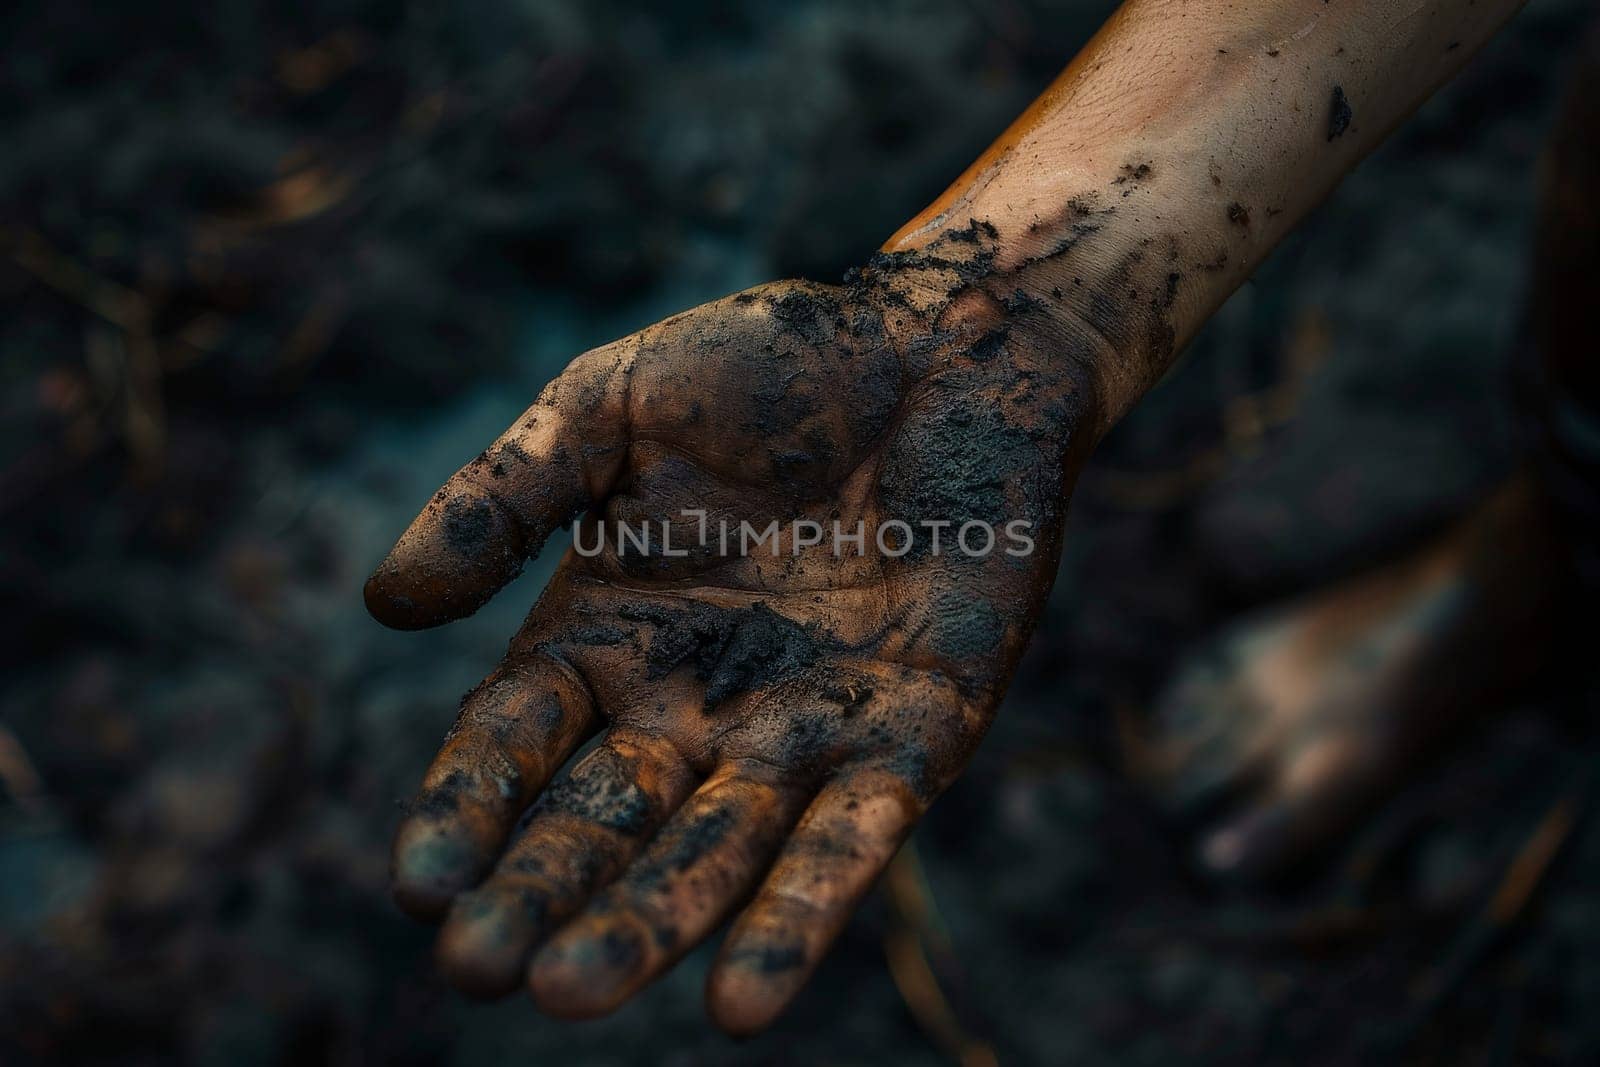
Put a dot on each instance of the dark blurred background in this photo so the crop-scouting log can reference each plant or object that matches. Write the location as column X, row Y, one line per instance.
column 271, row 272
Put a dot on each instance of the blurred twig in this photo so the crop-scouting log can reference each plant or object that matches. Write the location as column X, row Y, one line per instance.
column 306, row 190
column 309, row 69
column 129, row 353
column 115, row 303
column 916, row 939
column 313, row 333
column 18, row 774
column 1523, row 876
column 1246, row 420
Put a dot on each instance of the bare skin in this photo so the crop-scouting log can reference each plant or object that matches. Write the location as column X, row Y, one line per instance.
column 1293, row 724
column 771, row 727
column 1290, row 726
column 797, row 703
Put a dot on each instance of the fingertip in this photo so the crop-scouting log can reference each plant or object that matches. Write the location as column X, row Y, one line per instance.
column 1222, row 851
column 587, row 970
column 387, row 601
column 429, row 868
column 1253, row 848
column 484, row 944
column 424, row 903
column 456, row 554
column 741, row 1003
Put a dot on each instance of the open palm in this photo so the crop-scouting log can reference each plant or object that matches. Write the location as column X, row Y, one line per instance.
column 777, row 712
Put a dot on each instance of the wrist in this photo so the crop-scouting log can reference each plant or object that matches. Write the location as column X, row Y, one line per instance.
column 1071, row 308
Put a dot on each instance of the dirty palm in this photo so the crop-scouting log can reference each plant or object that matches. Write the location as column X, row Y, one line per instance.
column 773, row 720
column 772, row 724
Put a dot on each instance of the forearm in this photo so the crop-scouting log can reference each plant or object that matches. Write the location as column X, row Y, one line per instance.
column 1168, row 159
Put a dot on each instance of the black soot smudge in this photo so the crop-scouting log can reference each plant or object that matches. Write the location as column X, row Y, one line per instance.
column 732, row 650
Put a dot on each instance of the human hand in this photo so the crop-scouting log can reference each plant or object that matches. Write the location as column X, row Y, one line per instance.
column 770, row 723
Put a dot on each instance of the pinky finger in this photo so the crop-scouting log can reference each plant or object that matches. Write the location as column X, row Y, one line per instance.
column 842, row 844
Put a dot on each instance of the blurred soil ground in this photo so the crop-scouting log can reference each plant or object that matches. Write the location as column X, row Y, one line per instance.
column 272, row 272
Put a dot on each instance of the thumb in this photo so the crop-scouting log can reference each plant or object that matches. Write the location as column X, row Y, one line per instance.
column 495, row 513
